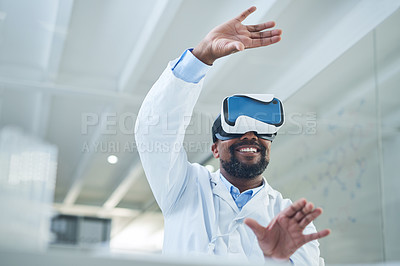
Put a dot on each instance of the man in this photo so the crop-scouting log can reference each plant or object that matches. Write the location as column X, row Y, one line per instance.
column 232, row 212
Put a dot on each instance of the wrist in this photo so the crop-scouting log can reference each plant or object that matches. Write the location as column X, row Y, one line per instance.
column 279, row 260
column 276, row 258
column 202, row 52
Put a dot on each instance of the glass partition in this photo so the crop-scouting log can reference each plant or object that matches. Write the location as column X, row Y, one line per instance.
column 340, row 149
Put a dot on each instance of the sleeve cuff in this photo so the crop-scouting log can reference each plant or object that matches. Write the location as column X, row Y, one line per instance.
column 189, row 68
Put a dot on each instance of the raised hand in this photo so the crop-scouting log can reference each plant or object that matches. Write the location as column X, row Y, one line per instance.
column 284, row 235
column 233, row 36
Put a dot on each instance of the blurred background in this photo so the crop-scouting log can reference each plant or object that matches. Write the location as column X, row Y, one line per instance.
column 73, row 74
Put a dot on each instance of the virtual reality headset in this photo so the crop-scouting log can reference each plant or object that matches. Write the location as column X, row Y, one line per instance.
column 262, row 114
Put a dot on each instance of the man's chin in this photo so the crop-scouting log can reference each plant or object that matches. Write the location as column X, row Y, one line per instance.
column 244, row 170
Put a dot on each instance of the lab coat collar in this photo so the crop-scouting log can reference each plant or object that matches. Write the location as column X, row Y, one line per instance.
column 258, row 205
column 259, row 202
column 219, row 189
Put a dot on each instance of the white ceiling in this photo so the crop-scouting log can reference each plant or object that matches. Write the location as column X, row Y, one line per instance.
column 64, row 61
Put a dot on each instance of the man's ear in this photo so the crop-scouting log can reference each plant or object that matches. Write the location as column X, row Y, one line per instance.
column 214, row 149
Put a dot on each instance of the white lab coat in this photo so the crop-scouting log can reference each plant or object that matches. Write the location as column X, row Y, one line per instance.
column 200, row 215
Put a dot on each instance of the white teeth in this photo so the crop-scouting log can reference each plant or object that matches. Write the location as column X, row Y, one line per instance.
column 248, row 150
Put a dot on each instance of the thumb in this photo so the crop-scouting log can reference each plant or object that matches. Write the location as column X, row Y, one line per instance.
column 236, row 47
column 255, row 226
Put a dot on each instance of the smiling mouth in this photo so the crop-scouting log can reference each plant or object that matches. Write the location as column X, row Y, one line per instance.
column 248, row 150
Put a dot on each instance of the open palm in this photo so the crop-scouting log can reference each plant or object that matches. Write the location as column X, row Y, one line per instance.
column 233, row 36
column 284, row 235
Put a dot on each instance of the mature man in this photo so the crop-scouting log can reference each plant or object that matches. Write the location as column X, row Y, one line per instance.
column 232, row 212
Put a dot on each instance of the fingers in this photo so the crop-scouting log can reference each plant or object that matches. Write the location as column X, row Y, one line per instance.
column 263, row 41
column 265, row 34
column 295, row 207
column 245, row 14
column 258, row 38
column 307, row 219
column 256, row 227
column 306, row 209
column 302, row 212
column 317, row 235
column 260, row 27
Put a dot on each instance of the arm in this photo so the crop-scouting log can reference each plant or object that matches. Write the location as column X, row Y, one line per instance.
column 159, row 133
column 284, row 235
column 162, row 119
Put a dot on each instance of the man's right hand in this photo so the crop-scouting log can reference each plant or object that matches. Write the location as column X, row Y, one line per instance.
column 233, row 36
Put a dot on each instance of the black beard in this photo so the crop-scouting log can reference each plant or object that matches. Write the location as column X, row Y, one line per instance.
column 242, row 170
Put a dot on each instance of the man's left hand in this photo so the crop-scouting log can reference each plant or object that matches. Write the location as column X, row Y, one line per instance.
column 284, row 235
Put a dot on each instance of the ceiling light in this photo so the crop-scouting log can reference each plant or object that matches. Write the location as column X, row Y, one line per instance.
column 112, row 159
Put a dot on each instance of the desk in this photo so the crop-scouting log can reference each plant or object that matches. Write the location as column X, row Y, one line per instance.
column 79, row 258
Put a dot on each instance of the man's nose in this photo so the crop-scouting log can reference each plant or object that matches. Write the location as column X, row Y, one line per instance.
column 249, row 135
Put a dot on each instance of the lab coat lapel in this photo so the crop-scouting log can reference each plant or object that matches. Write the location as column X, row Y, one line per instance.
column 219, row 189
column 257, row 207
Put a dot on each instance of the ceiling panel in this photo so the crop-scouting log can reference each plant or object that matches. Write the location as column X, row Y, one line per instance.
column 101, row 36
column 25, row 37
